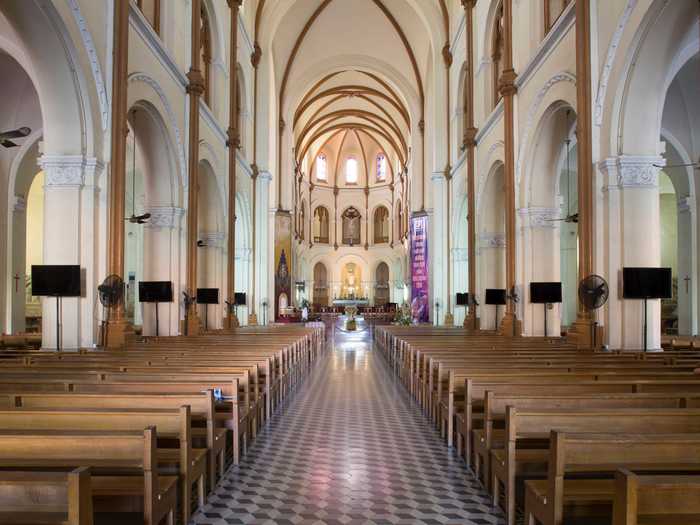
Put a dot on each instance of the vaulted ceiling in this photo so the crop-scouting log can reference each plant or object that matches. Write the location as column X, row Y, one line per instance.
column 352, row 68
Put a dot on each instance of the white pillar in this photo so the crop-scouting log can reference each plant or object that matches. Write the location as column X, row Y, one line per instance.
column 437, row 246
column 633, row 240
column 539, row 240
column 17, row 278
column 69, row 238
column 164, row 239
column 264, row 274
column 492, row 274
column 686, row 274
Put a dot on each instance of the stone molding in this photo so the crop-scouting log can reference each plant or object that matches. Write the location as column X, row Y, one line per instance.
column 213, row 239
column 632, row 171
column 68, row 171
column 165, row 217
column 492, row 240
column 539, row 217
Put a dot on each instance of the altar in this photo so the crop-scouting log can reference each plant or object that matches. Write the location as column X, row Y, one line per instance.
column 350, row 302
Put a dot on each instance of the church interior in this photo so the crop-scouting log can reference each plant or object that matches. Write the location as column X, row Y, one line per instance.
column 349, row 261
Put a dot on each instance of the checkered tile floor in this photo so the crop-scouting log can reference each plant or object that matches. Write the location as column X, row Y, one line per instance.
column 350, row 447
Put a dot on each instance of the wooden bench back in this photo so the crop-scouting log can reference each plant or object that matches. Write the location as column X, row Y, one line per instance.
column 39, row 496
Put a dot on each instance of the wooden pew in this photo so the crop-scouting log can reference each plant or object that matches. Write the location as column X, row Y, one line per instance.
column 201, row 410
column 105, row 453
column 174, row 424
column 46, row 498
column 658, row 500
column 528, row 425
column 601, row 455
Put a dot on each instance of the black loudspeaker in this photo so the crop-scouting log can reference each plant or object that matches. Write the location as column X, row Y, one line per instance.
column 646, row 283
column 495, row 296
column 155, row 292
column 462, row 299
column 545, row 293
column 56, row 280
column 207, row 296
column 239, row 299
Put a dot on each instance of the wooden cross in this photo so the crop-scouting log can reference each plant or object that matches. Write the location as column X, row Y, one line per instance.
column 16, row 278
column 687, row 282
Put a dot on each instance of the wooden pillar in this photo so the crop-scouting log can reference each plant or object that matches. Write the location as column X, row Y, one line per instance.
column 195, row 89
column 470, row 131
column 581, row 331
column 233, row 143
column 118, row 325
column 447, row 57
column 510, row 325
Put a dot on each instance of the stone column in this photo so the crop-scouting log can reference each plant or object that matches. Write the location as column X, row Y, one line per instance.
column 492, row 246
column 162, row 235
column 17, row 278
column 252, row 316
column 686, row 273
column 118, row 324
column 266, row 237
column 471, row 321
column 511, row 325
column 195, row 90
column 438, row 246
column 213, row 273
column 539, row 237
column 233, row 143
column 68, row 236
column 633, row 238
column 581, row 331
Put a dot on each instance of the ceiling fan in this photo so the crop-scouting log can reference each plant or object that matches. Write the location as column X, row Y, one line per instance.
column 18, row 133
column 135, row 219
column 571, row 218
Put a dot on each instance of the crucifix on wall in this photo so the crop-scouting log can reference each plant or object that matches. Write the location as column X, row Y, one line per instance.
column 16, row 278
column 687, row 284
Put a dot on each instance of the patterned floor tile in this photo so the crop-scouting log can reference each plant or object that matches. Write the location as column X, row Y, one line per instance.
column 349, row 448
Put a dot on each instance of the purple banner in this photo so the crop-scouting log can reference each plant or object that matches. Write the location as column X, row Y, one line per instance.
column 420, row 303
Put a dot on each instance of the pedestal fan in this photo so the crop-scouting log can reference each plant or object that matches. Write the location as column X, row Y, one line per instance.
column 111, row 293
column 593, row 292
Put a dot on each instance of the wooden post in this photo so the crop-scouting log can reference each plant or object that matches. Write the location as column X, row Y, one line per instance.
column 510, row 325
column 470, row 131
column 582, row 330
column 233, row 143
column 118, row 324
column 195, row 89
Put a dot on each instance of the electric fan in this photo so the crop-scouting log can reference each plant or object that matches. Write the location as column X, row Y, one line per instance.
column 593, row 292
column 110, row 293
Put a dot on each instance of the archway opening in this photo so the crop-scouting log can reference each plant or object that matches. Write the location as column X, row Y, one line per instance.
column 320, row 285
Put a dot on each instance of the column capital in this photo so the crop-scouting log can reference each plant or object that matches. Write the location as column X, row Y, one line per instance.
column 235, row 3
column 632, row 171
column 492, row 240
column 165, row 217
column 68, row 170
column 265, row 176
column 506, row 84
column 196, row 82
column 212, row 239
column 685, row 204
column 539, row 217
column 468, row 4
column 470, row 137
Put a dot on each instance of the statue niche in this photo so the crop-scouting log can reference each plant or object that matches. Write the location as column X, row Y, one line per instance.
column 351, row 227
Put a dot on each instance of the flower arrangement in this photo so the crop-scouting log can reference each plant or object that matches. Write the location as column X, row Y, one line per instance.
column 403, row 315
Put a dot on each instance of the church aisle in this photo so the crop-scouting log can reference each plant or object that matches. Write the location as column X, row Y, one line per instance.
column 350, row 448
